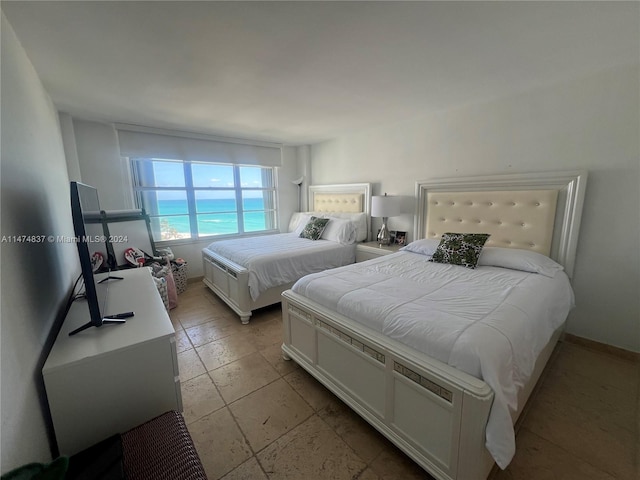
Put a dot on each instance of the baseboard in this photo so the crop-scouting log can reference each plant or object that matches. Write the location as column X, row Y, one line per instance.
column 603, row 347
column 195, row 279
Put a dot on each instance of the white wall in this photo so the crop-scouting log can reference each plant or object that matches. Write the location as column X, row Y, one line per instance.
column 590, row 123
column 37, row 277
column 100, row 163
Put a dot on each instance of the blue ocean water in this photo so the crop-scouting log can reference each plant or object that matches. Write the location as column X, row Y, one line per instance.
column 213, row 223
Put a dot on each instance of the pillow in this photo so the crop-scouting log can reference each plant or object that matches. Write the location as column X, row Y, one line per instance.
column 314, row 228
column 517, row 259
column 426, row 246
column 460, row 249
column 359, row 220
column 340, row 230
column 301, row 221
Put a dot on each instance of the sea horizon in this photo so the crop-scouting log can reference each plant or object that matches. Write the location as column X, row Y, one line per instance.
column 218, row 217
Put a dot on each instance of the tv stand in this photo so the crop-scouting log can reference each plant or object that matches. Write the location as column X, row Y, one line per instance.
column 109, row 380
column 110, row 277
column 116, row 319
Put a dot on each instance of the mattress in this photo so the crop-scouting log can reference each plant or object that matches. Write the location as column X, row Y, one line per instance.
column 274, row 260
column 489, row 322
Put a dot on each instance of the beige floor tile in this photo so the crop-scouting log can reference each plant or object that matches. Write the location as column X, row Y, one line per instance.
column 196, row 312
column 182, row 341
column 365, row 441
column 219, row 443
column 191, row 297
column 266, row 332
column 249, row 470
column 273, row 355
column 310, row 451
column 599, row 368
column 392, row 464
column 247, row 374
column 604, row 445
column 226, row 350
column 368, row 474
column 539, row 459
column 604, row 404
column 189, row 365
column 213, row 330
column 199, row 398
column 314, row 393
column 270, row 412
column 193, row 289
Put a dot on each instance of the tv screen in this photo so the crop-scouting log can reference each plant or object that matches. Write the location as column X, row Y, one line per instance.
column 84, row 207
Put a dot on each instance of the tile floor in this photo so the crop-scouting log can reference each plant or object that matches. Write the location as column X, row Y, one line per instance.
column 254, row 416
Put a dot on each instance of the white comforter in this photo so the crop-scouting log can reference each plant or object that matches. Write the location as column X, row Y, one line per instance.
column 489, row 322
column 274, row 260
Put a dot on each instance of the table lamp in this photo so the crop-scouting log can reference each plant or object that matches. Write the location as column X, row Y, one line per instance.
column 385, row 206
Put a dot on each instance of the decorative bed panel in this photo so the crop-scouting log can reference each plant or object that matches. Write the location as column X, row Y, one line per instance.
column 230, row 280
column 434, row 412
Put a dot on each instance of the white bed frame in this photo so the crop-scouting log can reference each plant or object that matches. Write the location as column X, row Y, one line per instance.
column 435, row 413
column 230, row 281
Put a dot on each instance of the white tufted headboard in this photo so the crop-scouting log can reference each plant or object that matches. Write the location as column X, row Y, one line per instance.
column 515, row 219
column 337, row 202
column 342, row 198
column 539, row 212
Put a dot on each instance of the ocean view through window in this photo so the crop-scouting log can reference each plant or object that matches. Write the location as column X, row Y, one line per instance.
column 191, row 200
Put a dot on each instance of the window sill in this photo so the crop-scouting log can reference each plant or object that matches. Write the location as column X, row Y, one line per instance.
column 210, row 239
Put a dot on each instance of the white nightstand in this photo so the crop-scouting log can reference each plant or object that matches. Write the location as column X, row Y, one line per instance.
column 368, row 250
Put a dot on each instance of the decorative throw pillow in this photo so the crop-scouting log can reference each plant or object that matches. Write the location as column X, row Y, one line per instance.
column 314, row 228
column 460, row 249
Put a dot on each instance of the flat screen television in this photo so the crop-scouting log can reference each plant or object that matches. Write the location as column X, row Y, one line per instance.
column 85, row 208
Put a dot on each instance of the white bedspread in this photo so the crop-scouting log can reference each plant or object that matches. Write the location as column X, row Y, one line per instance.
column 274, row 260
column 489, row 322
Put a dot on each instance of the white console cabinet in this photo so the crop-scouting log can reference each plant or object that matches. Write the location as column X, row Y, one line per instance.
column 109, row 379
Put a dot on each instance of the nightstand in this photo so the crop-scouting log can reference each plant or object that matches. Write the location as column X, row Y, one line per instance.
column 368, row 250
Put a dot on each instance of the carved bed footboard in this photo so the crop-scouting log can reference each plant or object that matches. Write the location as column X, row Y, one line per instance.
column 433, row 412
column 230, row 282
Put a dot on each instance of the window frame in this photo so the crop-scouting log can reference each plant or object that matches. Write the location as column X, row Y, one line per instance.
column 270, row 201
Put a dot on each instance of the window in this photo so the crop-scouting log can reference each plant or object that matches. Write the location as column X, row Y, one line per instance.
column 196, row 200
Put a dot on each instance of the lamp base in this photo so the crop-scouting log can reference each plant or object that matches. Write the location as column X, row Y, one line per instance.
column 383, row 235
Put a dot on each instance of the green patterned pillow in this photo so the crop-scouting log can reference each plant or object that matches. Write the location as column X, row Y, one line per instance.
column 460, row 249
column 314, row 228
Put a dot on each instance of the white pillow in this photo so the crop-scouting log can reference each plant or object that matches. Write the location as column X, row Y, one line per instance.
column 298, row 222
column 517, row 259
column 426, row 246
column 359, row 220
column 340, row 230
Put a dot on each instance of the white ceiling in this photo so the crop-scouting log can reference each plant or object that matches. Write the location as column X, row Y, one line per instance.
column 303, row 72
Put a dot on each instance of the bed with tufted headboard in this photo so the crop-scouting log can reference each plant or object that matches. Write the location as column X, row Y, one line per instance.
column 438, row 357
column 251, row 272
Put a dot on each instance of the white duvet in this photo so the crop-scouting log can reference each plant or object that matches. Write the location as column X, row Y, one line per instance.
column 274, row 260
column 490, row 322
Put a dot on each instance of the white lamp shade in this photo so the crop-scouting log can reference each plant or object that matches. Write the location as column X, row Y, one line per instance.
column 385, row 206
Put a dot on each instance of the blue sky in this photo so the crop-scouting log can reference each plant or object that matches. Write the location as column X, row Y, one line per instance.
column 171, row 174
